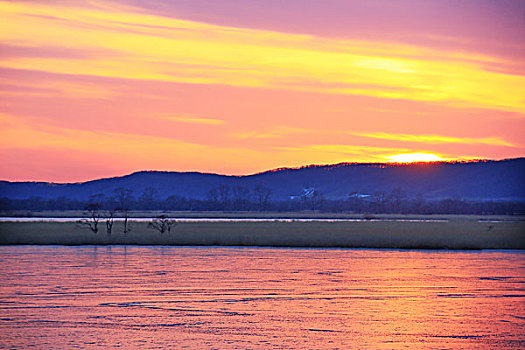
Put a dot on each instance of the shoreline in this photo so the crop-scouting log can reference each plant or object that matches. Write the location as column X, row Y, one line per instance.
column 308, row 214
column 467, row 250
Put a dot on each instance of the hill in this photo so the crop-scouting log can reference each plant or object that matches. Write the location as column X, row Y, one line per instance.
column 476, row 180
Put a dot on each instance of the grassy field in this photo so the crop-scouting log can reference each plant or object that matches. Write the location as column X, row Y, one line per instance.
column 458, row 232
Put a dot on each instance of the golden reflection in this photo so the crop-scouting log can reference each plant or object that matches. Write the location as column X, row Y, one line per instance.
column 235, row 298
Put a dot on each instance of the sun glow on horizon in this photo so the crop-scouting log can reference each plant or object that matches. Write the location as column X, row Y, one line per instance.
column 414, row 157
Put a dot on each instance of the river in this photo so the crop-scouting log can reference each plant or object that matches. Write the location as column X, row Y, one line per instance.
column 259, row 298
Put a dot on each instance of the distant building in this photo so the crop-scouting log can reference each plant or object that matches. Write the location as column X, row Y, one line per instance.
column 358, row 195
column 307, row 193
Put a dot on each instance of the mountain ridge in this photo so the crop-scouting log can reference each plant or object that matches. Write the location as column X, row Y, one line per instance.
column 479, row 180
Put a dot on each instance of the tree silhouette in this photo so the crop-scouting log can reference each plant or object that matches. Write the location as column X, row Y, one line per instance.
column 93, row 212
column 241, row 197
column 162, row 224
column 213, row 198
column 148, row 198
column 123, row 199
column 109, row 216
column 224, row 196
column 262, row 196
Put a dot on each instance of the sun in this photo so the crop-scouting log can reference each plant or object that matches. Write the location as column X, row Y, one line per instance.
column 414, row 157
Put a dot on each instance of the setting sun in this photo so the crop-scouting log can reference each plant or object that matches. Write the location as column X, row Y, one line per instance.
column 414, row 157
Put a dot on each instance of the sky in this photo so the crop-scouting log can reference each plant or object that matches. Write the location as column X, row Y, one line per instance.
column 92, row 89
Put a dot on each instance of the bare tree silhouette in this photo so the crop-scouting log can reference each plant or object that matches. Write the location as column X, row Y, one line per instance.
column 162, row 224
column 94, row 214
column 123, row 199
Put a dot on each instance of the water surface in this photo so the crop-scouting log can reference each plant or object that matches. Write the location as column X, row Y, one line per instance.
column 258, row 298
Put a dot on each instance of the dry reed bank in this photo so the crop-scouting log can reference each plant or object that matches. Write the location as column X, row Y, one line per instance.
column 456, row 233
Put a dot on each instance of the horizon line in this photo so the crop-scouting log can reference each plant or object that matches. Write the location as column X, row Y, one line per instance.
column 385, row 164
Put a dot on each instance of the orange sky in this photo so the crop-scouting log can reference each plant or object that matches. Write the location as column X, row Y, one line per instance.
column 93, row 89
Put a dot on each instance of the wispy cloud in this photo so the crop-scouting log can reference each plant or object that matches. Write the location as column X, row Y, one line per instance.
column 158, row 48
column 196, row 120
column 276, row 132
column 346, row 150
column 437, row 139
